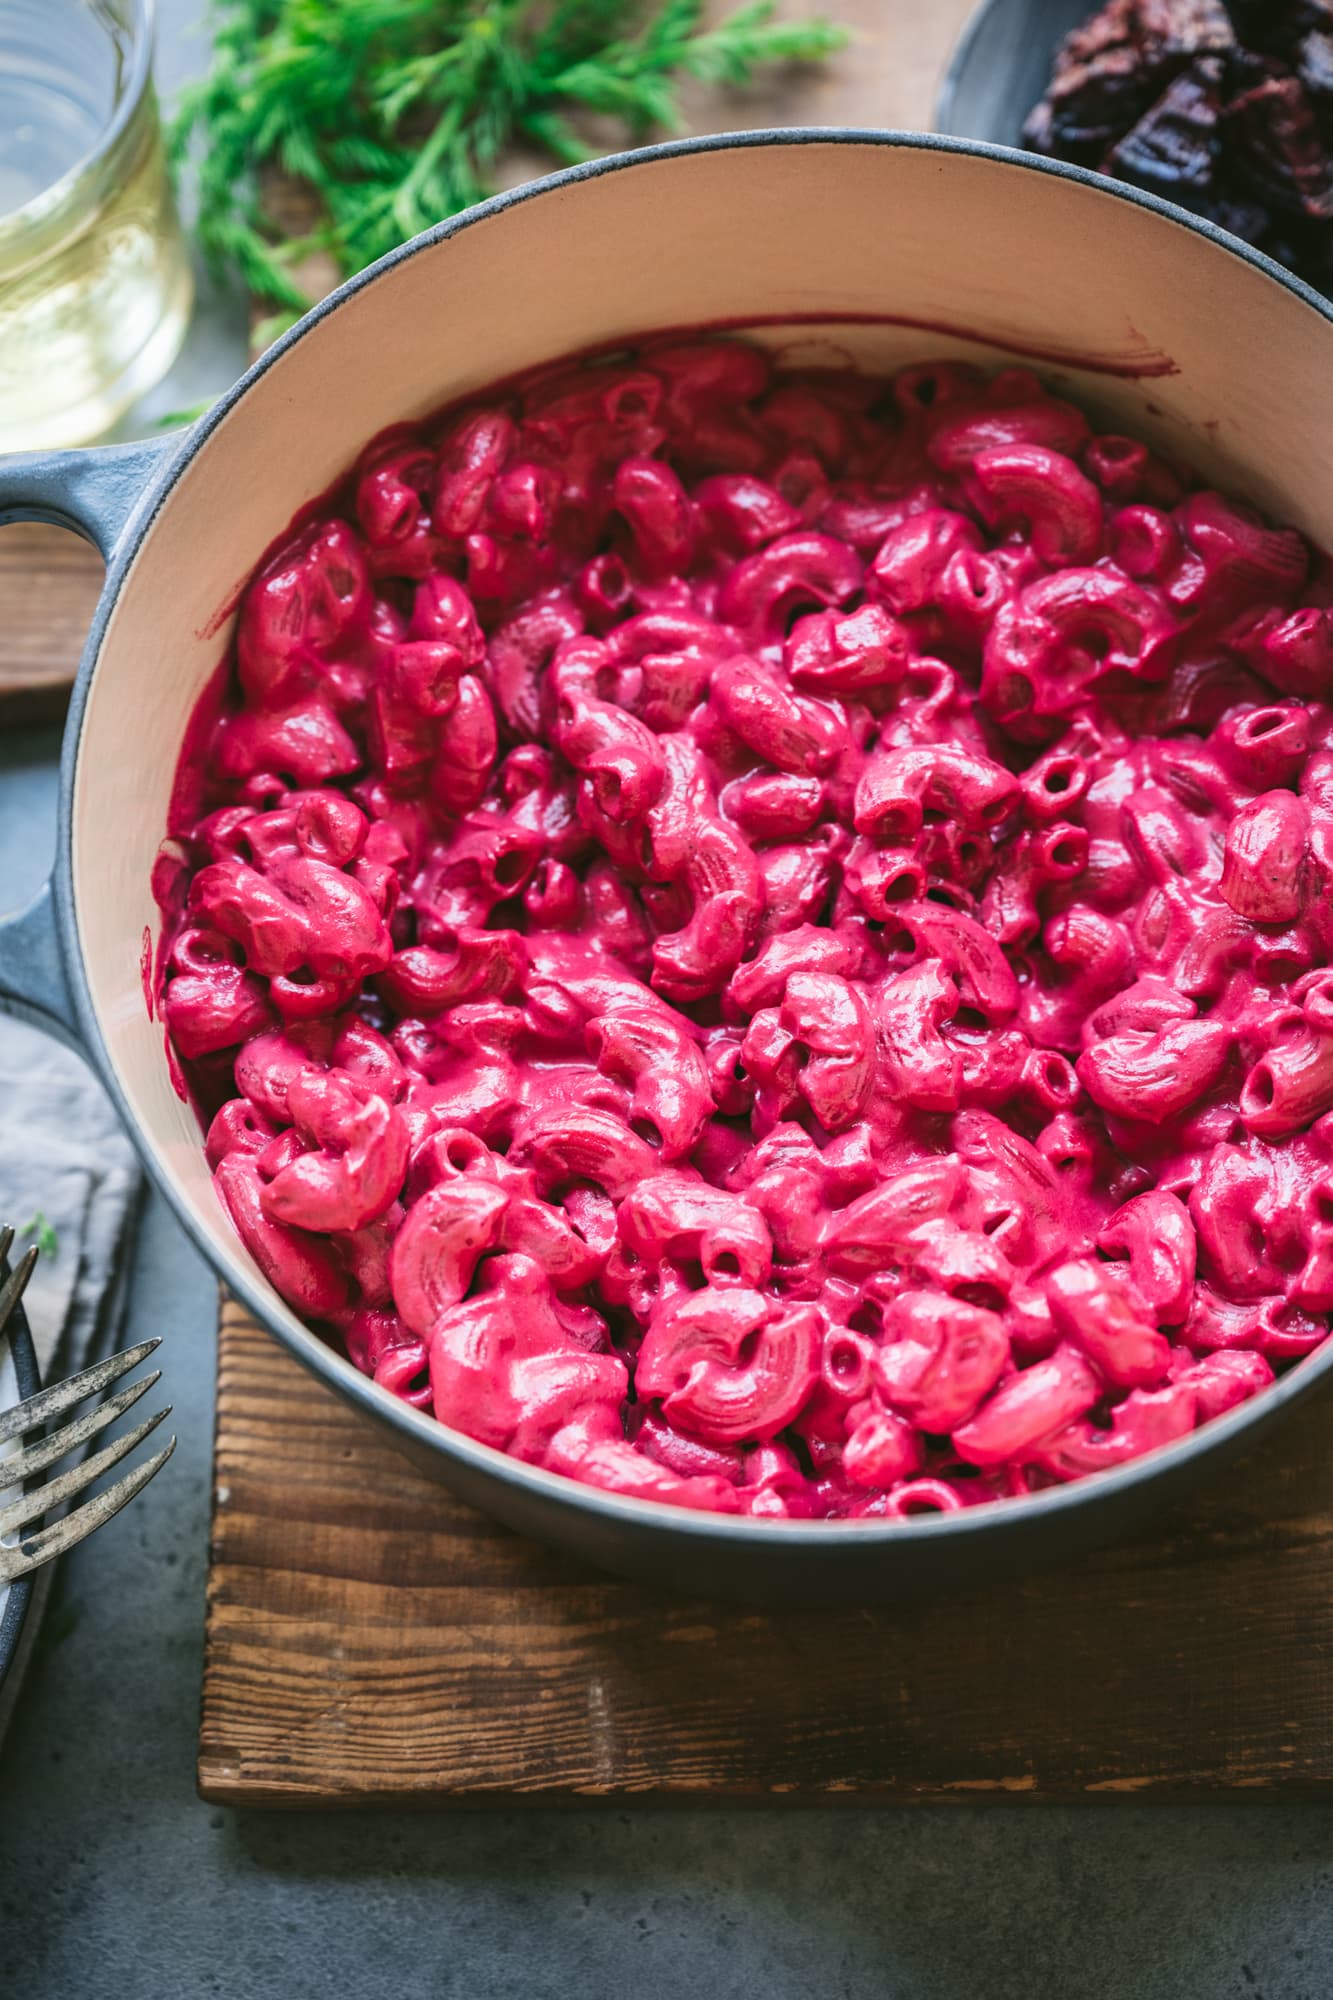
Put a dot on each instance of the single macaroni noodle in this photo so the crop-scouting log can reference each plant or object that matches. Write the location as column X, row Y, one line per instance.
column 762, row 940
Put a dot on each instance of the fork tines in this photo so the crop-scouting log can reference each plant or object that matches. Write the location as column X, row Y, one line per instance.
column 14, row 1286
column 24, row 1543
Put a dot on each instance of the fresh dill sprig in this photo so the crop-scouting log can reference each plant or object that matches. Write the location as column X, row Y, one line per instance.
column 394, row 112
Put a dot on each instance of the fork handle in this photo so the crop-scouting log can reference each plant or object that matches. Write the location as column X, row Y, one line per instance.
column 96, row 493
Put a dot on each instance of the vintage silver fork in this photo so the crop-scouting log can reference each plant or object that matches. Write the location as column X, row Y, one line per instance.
column 24, row 1543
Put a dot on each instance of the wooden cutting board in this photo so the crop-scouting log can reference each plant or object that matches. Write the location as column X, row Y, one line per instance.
column 49, row 581
column 370, row 1641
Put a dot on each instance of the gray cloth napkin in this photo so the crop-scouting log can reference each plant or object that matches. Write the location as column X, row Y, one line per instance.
column 63, row 1157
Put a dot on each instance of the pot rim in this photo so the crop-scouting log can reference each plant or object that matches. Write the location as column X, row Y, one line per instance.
column 1097, row 1491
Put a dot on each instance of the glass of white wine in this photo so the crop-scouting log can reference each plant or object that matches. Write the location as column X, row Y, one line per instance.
column 95, row 286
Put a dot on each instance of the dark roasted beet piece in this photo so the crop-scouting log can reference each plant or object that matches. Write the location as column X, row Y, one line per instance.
column 1309, row 254
column 1039, row 130
column 1099, row 84
column 1172, row 147
column 1314, row 67
column 1113, row 26
column 1249, row 220
column 1089, row 104
column 1185, row 27
column 1314, row 63
column 1275, row 151
column 1111, row 70
column 1277, row 27
column 1226, row 110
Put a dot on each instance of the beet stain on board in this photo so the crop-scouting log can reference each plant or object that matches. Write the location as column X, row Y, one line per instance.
column 1226, row 109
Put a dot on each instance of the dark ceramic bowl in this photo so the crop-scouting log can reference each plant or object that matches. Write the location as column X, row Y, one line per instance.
column 1001, row 66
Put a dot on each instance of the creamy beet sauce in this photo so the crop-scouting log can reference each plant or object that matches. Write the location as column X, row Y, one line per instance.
column 759, row 940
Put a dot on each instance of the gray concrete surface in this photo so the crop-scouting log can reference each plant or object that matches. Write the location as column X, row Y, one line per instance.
column 116, row 1881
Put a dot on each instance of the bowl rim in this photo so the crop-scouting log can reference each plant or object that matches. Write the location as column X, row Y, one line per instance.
column 960, row 55
column 418, row 1431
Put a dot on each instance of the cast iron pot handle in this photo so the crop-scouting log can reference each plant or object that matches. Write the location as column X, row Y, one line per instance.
column 94, row 492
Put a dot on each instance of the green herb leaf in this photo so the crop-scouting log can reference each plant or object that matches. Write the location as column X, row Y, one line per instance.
column 394, row 112
column 175, row 420
column 42, row 1233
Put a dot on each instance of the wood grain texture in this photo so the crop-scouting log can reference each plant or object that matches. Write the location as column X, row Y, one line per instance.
column 888, row 74
column 49, row 582
column 370, row 1641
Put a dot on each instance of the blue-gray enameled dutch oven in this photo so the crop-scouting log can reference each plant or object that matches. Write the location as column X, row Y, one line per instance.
column 874, row 247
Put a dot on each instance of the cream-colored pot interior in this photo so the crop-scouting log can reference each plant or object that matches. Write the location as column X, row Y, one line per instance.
column 1155, row 329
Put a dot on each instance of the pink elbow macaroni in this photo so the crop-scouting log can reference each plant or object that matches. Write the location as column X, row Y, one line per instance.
column 762, row 941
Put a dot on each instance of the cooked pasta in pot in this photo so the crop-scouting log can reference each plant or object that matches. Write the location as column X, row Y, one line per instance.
column 761, row 940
